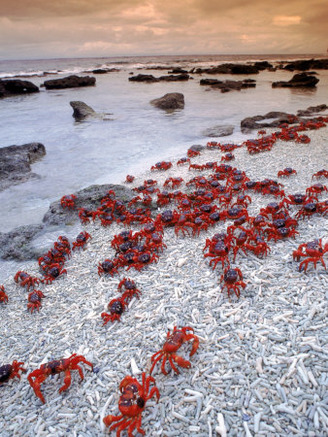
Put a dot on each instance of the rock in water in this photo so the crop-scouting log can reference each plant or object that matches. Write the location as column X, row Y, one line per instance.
column 15, row 163
column 169, row 101
column 13, row 87
column 300, row 80
column 72, row 81
column 82, row 110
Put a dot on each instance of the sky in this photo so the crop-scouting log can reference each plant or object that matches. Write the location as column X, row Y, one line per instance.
column 34, row 29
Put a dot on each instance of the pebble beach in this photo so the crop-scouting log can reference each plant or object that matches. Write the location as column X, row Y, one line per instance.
column 261, row 365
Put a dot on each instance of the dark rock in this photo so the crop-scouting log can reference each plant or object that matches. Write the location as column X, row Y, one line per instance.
column 17, row 243
column 312, row 110
column 143, row 78
column 13, row 87
column 257, row 122
column 169, row 101
column 300, row 80
column 81, row 110
column 229, row 69
column 69, row 82
column 263, row 65
column 229, row 85
column 175, row 77
column 218, row 131
column 105, row 70
column 22, row 242
column 244, row 69
column 88, row 198
column 15, row 163
column 307, row 64
column 177, row 70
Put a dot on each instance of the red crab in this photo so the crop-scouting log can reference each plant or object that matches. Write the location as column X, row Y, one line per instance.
column 141, row 259
column 228, row 157
column 107, row 266
column 25, row 279
column 258, row 246
column 66, row 365
column 81, row 240
column 288, row 171
column 320, row 173
column 85, row 215
column 279, row 233
column 131, row 404
column 3, row 295
column 313, row 250
column 52, row 272
column 163, row 165
column 129, row 179
column 34, row 300
column 155, row 242
column 68, row 201
column 219, row 252
column 130, row 289
column 10, row 371
column 183, row 161
column 172, row 344
column 233, row 280
column 316, row 189
column 116, row 307
column 173, row 182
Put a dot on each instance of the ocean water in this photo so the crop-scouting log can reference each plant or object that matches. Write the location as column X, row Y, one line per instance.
column 137, row 135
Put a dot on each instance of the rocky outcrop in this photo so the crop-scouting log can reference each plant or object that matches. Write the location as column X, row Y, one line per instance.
column 88, row 198
column 169, row 101
column 13, row 87
column 218, row 131
column 231, row 69
column 261, row 121
column 175, row 77
column 23, row 243
column 17, row 244
column 82, row 111
column 301, row 80
column 149, row 78
column 69, row 82
column 306, row 64
column 311, row 110
column 228, row 85
column 276, row 118
column 105, row 70
column 15, row 163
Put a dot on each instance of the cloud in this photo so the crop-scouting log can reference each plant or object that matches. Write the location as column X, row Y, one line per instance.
column 113, row 27
column 283, row 20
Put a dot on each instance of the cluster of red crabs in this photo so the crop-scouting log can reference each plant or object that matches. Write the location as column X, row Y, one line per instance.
column 134, row 395
column 220, row 193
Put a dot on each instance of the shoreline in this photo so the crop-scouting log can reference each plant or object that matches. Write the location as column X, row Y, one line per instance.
column 260, row 366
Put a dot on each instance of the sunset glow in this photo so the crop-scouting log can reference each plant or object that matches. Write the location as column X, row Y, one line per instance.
column 66, row 28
